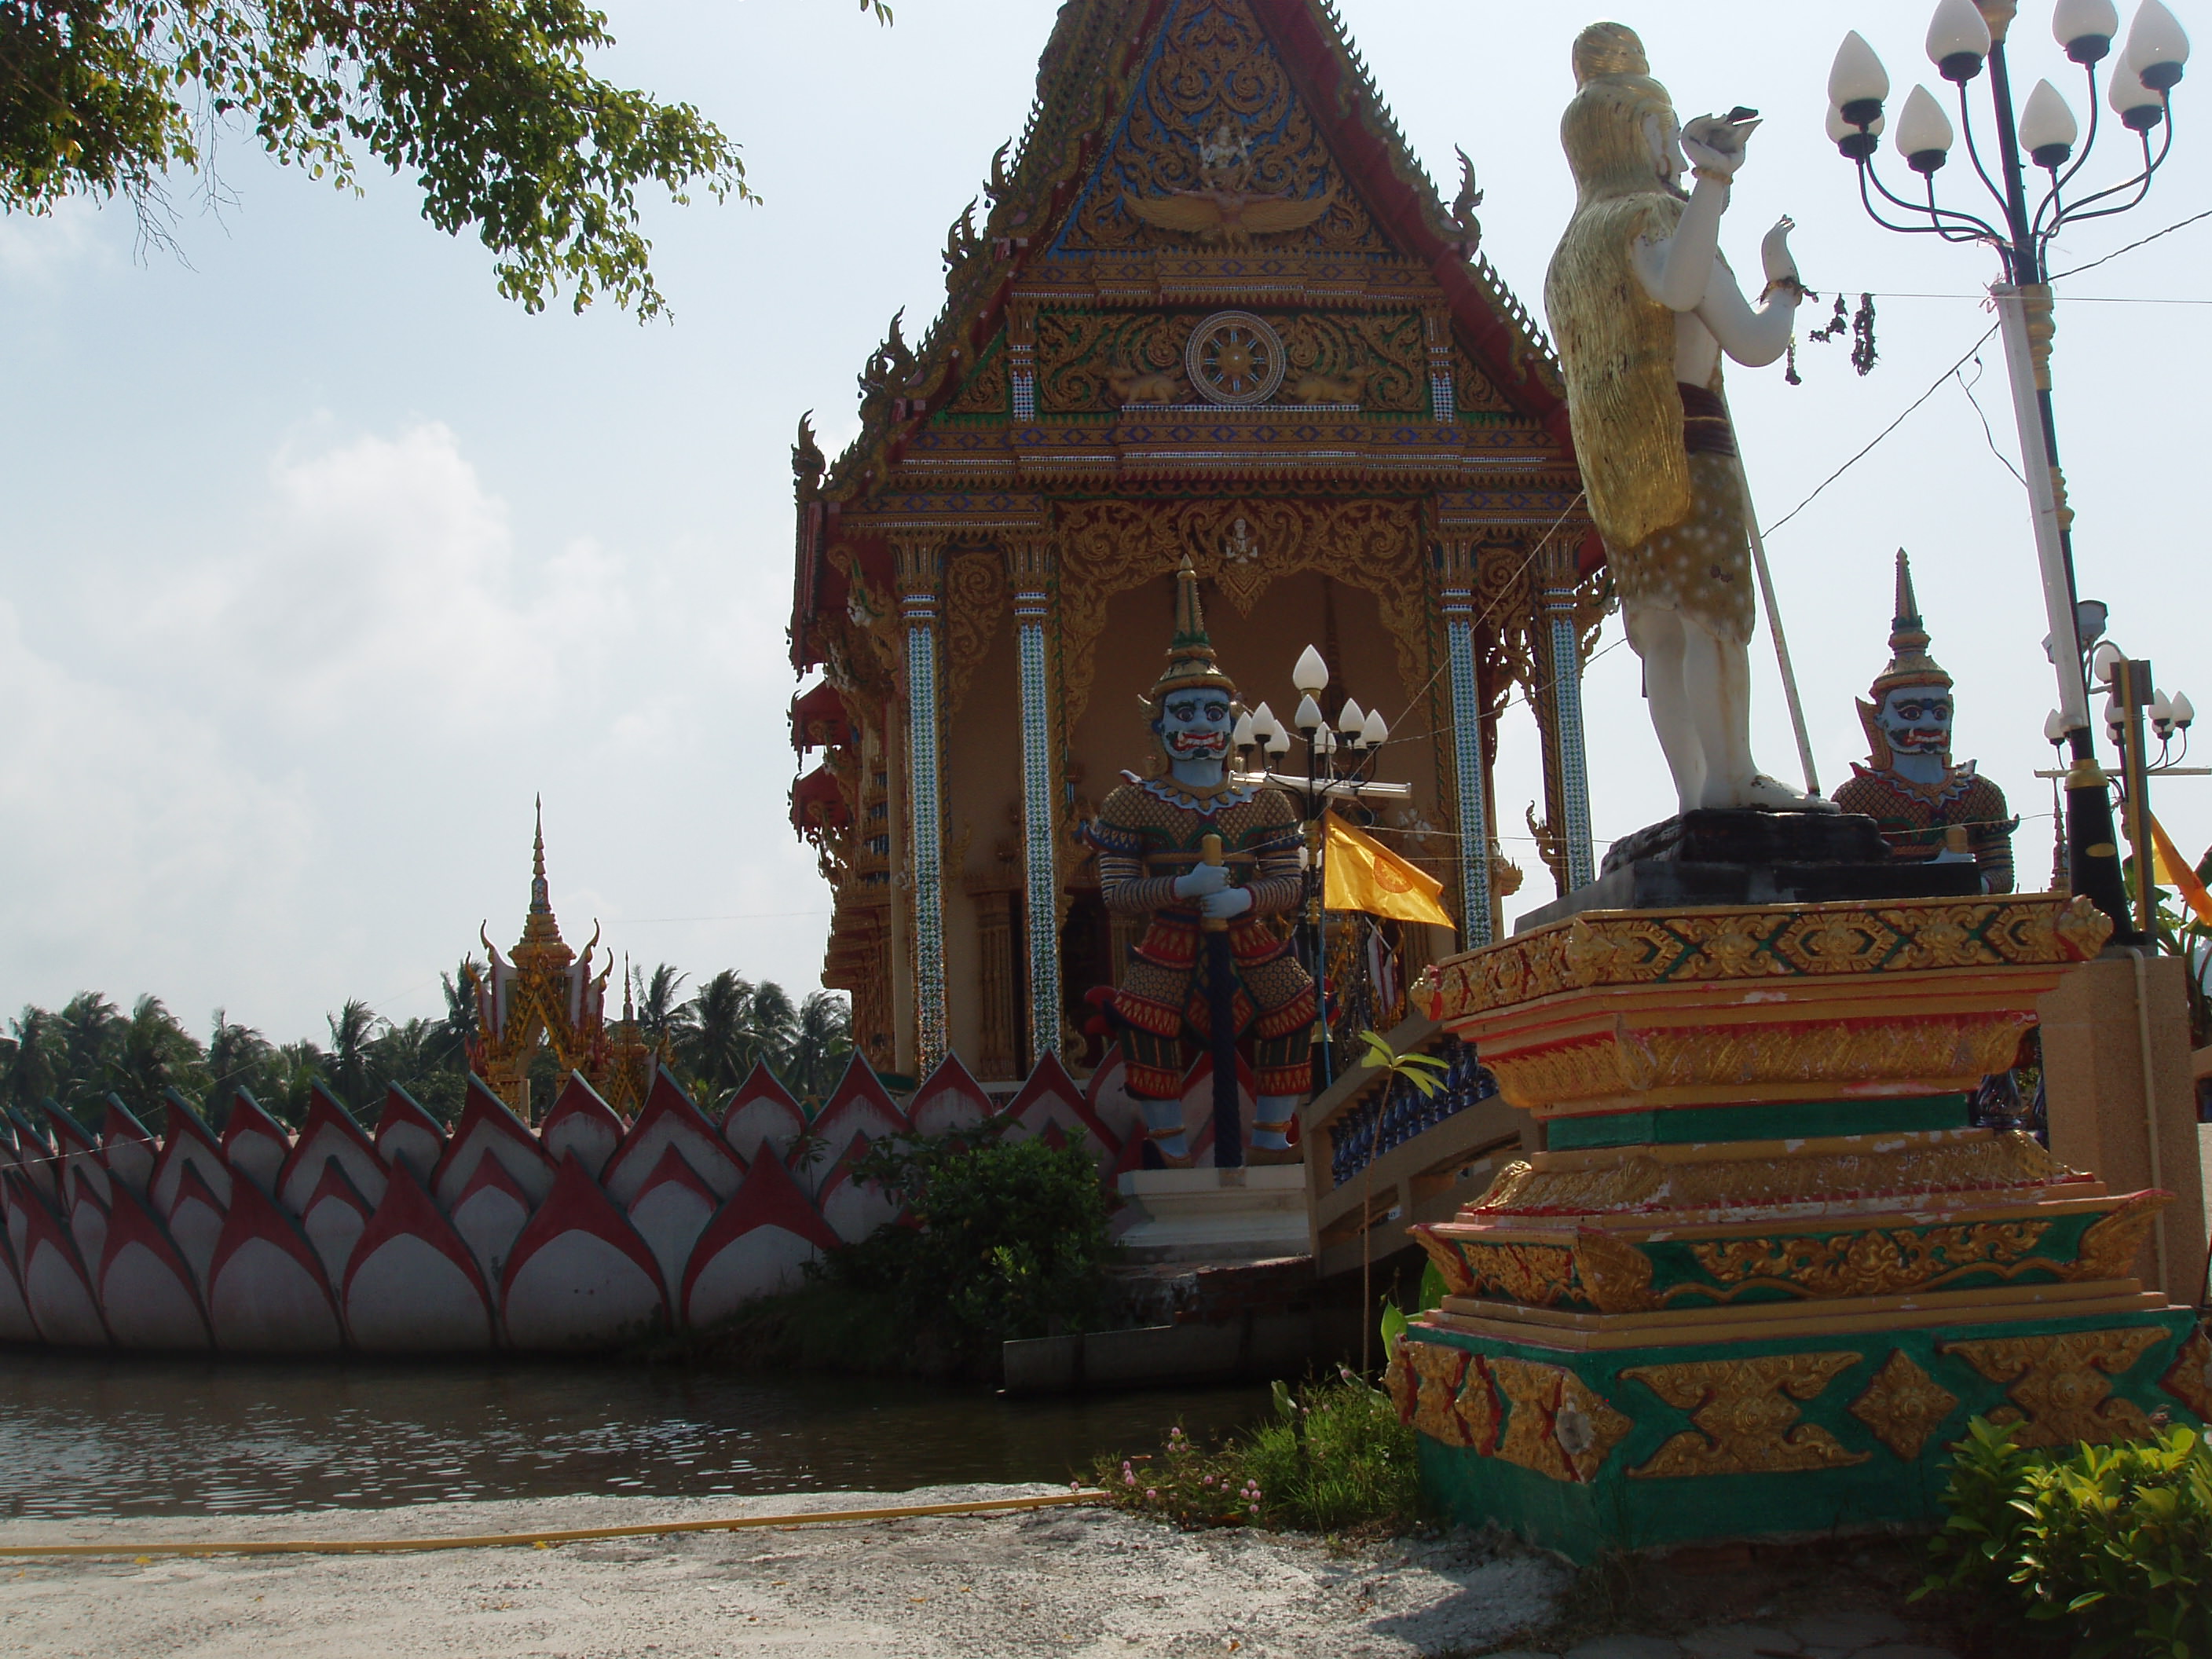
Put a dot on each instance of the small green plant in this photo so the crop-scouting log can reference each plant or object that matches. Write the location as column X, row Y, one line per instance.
column 1433, row 1293
column 2107, row 1550
column 1425, row 1072
column 1331, row 1458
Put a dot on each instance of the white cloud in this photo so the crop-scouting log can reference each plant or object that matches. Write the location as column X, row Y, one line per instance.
column 40, row 250
column 132, row 837
column 381, row 589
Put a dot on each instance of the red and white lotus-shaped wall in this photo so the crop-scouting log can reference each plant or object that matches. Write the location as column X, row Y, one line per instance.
column 585, row 1233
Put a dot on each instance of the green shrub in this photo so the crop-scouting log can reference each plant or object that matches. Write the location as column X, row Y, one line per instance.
column 1003, row 1240
column 1333, row 1458
column 2107, row 1549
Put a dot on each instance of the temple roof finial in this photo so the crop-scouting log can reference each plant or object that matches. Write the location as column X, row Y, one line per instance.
column 541, row 896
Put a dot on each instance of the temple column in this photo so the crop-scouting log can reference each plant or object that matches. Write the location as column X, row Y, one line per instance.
column 1556, row 609
column 1030, row 571
column 920, row 560
column 899, row 912
column 1467, row 770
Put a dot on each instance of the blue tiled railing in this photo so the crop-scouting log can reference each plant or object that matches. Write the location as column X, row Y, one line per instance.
column 1391, row 1117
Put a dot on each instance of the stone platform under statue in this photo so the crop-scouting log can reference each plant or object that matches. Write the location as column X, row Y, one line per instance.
column 1754, row 855
column 1253, row 1213
column 1765, row 1270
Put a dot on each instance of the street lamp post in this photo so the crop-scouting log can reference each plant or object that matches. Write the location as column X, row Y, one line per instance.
column 1358, row 736
column 1964, row 39
column 2131, row 699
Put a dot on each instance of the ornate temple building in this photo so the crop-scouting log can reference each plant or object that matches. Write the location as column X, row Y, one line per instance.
column 544, row 997
column 1210, row 307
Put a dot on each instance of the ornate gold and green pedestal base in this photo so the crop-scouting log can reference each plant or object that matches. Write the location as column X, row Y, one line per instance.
column 1764, row 1272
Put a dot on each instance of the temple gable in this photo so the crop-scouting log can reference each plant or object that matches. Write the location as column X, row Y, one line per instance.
column 1214, row 145
column 1210, row 309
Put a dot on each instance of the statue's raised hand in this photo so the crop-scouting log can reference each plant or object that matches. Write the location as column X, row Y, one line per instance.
column 1775, row 257
column 1200, row 881
column 1714, row 144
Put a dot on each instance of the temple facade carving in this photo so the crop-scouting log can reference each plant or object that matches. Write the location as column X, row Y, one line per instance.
column 1216, row 312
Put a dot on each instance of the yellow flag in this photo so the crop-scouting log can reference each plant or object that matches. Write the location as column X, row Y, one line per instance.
column 2169, row 871
column 1362, row 874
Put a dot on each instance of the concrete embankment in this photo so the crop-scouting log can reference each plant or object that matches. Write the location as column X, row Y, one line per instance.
column 1074, row 1579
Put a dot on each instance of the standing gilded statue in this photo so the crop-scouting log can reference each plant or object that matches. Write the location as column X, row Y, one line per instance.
column 1642, row 307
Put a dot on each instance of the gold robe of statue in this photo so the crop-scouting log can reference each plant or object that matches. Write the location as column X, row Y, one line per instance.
column 1657, row 458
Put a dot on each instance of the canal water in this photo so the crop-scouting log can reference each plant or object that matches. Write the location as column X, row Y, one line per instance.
column 84, row 1435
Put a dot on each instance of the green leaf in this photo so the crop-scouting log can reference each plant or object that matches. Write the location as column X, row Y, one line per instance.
column 1433, row 1288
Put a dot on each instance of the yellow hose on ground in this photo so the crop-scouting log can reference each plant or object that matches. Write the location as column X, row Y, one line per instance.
column 546, row 1540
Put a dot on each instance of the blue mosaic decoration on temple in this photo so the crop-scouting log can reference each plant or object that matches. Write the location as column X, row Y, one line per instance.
column 1396, row 1115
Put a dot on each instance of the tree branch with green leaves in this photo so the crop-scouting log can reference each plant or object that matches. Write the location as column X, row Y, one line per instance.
column 489, row 103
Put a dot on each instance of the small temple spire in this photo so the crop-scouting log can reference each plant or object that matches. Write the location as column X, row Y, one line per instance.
column 540, row 932
column 541, row 895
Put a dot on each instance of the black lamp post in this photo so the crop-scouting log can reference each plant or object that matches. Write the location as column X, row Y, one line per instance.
column 1964, row 39
column 1359, row 737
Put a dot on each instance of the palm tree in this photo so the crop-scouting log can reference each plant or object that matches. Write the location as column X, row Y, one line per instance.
column 289, row 1076
column 237, row 1056
column 716, row 1042
column 32, row 1073
column 774, row 1022
column 451, row 1036
column 821, row 1041
column 658, row 1013
column 90, row 1029
column 154, row 1053
column 354, row 1029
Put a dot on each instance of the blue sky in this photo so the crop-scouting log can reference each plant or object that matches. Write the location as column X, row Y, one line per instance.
column 320, row 560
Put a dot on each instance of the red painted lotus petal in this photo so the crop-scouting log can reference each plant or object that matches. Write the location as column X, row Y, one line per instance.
column 147, row 1289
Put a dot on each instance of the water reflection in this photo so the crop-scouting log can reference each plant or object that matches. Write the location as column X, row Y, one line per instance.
column 86, row 1435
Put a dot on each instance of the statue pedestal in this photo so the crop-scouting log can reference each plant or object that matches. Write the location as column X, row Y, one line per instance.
column 1217, row 1215
column 1748, row 856
column 1764, row 1272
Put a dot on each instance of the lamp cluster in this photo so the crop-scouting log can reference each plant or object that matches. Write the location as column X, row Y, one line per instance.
column 2169, row 716
column 1355, row 728
column 1966, row 43
column 2139, row 91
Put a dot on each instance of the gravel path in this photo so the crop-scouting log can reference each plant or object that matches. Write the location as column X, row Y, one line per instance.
column 1072, row 1580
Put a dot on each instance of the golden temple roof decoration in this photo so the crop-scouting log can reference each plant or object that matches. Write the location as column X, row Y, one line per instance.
column 543, row 995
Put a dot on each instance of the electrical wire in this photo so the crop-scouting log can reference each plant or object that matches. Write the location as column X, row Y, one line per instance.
column 1988, row 436
column 2092, row 265
column 1967, row 358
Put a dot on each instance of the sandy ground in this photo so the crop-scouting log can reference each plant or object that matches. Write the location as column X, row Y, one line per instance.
column 1061, row 1580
